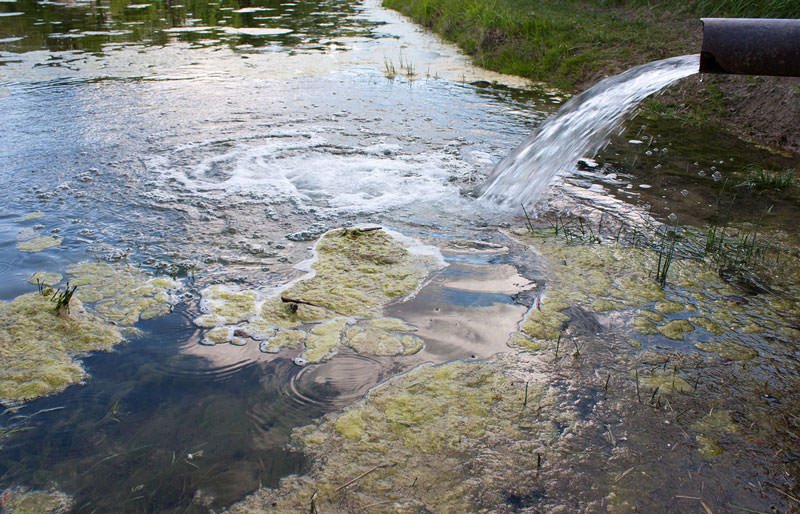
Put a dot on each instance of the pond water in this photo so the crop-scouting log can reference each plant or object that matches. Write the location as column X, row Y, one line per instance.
column 215, row 142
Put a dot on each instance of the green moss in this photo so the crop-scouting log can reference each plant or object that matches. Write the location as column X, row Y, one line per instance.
column 38, row 244
column 20, row 501
column 676, row 329
column 46, row 278
column 122, row 294
column 38, row 347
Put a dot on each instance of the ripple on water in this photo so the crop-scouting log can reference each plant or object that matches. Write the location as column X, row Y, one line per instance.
column 338, row 382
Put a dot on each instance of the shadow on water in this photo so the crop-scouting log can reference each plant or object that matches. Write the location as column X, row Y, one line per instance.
column 155, row 430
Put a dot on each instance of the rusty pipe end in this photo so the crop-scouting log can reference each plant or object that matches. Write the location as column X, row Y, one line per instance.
column 751, row 46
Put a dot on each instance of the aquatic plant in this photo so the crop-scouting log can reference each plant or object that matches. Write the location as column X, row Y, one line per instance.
column 357, row 271
column 378, row 452
column 38, row 346
column 666, row 254
column 762, row 179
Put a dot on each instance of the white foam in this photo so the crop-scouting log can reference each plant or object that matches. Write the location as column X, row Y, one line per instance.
column 303, row 168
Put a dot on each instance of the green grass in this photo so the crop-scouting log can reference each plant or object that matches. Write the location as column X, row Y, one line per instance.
column 572, row 43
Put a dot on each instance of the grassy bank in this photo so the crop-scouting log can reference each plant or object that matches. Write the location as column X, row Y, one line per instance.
column 572, row 44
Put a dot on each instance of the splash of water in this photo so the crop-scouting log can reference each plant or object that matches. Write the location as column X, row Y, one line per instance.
column 579, row 129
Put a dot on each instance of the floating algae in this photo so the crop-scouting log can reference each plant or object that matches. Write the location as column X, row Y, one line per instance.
column 729, row 350
column 21, row 501
column 450, row 438
column 225, row 306
column 32, row 216
column 356, row 272
column 676, row 329
column 122, row 294
column 383, row 336
column 38, row 346
column 46, row 278
column 38, row 244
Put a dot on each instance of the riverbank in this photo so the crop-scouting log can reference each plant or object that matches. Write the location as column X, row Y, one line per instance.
column 550, row 43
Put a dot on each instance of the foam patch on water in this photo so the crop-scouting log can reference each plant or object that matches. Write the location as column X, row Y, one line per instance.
column 308, row 171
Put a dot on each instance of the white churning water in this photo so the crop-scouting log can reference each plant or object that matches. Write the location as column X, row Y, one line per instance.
column 579, row 129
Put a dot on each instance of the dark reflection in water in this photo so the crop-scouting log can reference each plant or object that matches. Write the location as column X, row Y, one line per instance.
column 27, row 25
column 157, row 431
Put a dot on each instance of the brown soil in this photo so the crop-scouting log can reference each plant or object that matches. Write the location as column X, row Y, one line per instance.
column 762, row 110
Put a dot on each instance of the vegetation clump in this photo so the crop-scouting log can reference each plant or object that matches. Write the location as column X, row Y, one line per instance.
column 355, row 274
column 19, row 500
column 39, row 345
column 42, row 334
column 469, row 415
column 122, row 294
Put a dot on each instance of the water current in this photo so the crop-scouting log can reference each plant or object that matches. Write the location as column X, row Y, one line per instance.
column 580, row 129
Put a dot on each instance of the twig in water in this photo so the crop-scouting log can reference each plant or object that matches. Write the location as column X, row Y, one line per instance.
column 362, row 475
column 525, row 402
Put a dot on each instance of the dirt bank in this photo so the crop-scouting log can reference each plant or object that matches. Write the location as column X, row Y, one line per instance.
column 551, row 42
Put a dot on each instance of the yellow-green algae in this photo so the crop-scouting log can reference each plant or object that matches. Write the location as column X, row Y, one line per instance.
column 709, row 429
column 122, row 294
column 323, row 339
column 609, row 277
column 21, row 501
column 676, row 329
column 383, row 336
column 32, row 216
column 226, row 306
column 38, row 346
column 727, row 349
column 355, row 274
column 37, row 244
column 46, row 278
column 451, row 438
column 666, row 381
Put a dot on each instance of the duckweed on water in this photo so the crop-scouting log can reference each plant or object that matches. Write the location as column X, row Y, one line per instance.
column 355, row 274
column 451, row 438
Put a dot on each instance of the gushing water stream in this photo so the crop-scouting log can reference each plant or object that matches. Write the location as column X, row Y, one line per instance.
column 579, row 129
